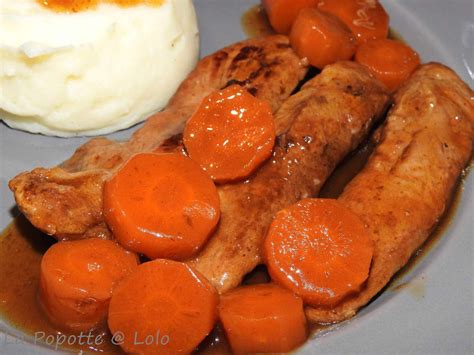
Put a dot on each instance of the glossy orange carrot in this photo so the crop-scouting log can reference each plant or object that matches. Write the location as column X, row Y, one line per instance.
column 77, row 279
column 164, row 307
column 320, row 250
column 282, row 13
column 230, row 134
column 161, row 205
column 391, row 61
column 322, row 38
column 366, row 18
column 263, row 318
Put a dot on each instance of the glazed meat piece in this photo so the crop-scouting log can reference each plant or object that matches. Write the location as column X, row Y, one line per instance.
column 66, row 201
column 320, row 125
column 267, row 67
column 409, row 179
column 64, row 205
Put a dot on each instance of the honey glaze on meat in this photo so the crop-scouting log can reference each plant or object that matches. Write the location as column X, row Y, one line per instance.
column 409, row 179
column 316, row 127
column 66, row 201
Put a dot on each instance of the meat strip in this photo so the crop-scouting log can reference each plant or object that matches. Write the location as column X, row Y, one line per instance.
column 321, row 124
column 66, row 201
column 405, row 188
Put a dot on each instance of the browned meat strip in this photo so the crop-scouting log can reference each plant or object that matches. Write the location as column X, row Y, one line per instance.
column 404, row 189
column 66, row 202
column 322, row 123
column 62, row 204
column 267, row 67
column 60, row 201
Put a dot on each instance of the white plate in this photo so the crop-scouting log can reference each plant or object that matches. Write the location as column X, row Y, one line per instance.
column 434, row 314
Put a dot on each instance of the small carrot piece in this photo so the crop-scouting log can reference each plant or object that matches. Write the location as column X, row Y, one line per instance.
column 161, row 205
column 282, row 13
column 230, row 134
column 391, row 61
column 322, row 38
column 366, row 18
column 164, row 307
column 263, row 318
column 320, row 250
column 77, row 279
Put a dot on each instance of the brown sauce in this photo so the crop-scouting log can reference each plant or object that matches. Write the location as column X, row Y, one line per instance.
column 346, row 171
column 83, row 5
column 22, row 246
column 21, row 249
column 255, row 22
column 392, row 34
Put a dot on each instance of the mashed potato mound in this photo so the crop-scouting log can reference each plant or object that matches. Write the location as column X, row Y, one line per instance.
column 92, row 72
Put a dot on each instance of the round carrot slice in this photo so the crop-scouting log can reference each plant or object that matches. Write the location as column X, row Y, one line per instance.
column 366, row 18
column 321, row 38
column 282, row 13
column 320, row 250
column 392, row 62
column 77, row 279
column 230, row 134
column 263, row 318
column 161, row 205
column 164, row 307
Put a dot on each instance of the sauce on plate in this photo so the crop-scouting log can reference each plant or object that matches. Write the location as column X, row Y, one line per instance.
column 21, row 249
column 255, row 22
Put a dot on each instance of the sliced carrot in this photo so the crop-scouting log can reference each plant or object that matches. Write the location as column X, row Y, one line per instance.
column 320, row 250
column 161, row 205
column 282, row 13
column 164, row 307
column 230, row 134
column 366, row 18
column 263, row 318
column 77, row 279
column 392, row 62
column 322, row 38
